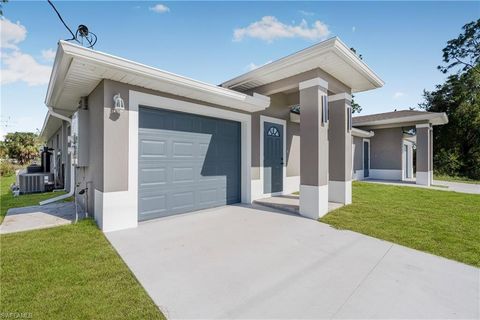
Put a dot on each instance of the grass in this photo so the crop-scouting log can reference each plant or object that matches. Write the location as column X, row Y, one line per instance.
column 440, row 222
column 7, row 200
column 443, row 177
column 69, row 272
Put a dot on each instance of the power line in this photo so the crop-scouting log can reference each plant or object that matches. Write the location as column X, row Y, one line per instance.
column 61, row 19
column 82, row 30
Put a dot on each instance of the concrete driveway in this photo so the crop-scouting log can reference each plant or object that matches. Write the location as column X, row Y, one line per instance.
column 247, row 262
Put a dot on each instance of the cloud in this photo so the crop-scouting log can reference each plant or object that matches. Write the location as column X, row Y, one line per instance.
column 18, row 66
column 269, row 29
column 354, row 29
column 398, row 95
column 306, row 13
column 252, row 66
column 11, row 34
column 159, row 8
column 48, row 54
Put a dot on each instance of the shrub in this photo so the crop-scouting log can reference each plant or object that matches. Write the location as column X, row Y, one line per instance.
column 6, row 168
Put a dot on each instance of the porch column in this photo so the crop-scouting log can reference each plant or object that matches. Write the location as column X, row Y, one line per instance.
column 424, row 154
column 340, row 149
column 313, row 148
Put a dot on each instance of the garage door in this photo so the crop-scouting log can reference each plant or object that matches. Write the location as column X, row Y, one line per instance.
column 186, row 162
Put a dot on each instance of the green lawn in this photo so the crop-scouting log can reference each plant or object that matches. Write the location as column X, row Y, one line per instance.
column 69, row 272
column 443, row 177
column 7, row 200
column 440, row 222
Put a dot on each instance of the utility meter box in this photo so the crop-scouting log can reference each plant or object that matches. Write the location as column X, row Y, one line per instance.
column 79, row 141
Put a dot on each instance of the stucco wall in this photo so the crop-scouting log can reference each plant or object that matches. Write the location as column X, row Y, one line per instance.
column 279, row 108
column 358, row 152
column 386, row 149
column 91, row 177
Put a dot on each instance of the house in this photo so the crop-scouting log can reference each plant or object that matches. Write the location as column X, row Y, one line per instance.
column 384, row 145
column 145, row 143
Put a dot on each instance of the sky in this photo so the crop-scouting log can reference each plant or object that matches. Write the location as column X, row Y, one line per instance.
column 215, row 41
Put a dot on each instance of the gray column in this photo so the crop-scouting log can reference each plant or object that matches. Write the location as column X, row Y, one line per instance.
column 340, row 149
column 424, row 154
column 313, row 149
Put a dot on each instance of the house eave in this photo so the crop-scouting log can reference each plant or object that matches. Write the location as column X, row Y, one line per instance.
column 432, row 118
column 91, row 67
column 362, row 133
column 316, row 56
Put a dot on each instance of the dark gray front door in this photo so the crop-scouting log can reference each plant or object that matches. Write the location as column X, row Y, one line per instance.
column 272, row 157
column 186, row 162
column 366, row 159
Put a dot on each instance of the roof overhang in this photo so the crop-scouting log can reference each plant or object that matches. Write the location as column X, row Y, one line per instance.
column 434, row 118
column 362, row 133
column 78, row 70
column 51, row 125
column 332, row 56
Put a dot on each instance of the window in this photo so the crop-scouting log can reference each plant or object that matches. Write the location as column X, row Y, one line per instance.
column 273, row 132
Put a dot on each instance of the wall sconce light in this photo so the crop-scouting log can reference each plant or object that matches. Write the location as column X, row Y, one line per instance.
column 118, row 104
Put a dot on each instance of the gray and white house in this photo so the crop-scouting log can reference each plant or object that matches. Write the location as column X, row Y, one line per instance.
column 143, row 143
column 384, row 144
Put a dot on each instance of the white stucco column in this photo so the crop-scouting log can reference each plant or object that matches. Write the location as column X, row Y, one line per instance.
column 424, row 154
column 340, row 148
column 313, row 148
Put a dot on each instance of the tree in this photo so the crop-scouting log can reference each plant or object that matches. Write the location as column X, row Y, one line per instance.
column 356, row 108
column 22, row 146
column 464, row 51
column 1, row 6
column 457, row 144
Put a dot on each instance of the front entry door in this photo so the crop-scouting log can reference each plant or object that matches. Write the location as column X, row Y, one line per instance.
column 366, row 159
column 272, row 157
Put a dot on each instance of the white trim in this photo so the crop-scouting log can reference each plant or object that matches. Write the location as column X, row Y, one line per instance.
column 340, row 96
column 422, row 125
column 358, row 175
column 407, row 162
column 424, row 178
column 433, row 118
column 153, row 78
column 362, row 133
column 138, row 98
column 313, row 201
column 291, row 185
column 385, row 174
column 340, row 191
column 316, row 56
column 312, row 83
column 282, row 122
column 369, row 158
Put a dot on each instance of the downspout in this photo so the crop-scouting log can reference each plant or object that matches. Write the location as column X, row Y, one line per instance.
column 72, row 168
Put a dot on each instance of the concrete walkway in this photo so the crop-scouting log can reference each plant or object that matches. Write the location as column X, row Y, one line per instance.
column 437, row 185
column 38, row 217
column 256, row 262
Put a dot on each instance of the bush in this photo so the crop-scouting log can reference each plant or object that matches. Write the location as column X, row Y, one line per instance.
column 6, row 168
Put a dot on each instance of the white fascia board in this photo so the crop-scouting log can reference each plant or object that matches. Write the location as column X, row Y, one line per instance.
column 434, row 119
column 362, row 133
column 67, row 50
column 334, row 45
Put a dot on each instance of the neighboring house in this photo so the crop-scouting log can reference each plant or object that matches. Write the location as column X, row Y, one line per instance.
column 148, row 143
column 384, row 144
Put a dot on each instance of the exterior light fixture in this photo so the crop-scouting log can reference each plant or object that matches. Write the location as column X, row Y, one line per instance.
column 118, row 104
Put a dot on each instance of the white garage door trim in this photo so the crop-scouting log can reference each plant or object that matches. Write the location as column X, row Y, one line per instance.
column 137, row 99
